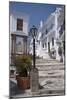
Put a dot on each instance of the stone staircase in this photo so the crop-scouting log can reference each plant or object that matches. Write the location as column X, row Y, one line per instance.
column 51, row 74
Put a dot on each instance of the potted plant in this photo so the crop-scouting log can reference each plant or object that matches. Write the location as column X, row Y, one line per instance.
column 23, row 64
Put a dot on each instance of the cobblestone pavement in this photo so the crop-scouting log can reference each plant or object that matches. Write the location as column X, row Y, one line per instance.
column 51, row 80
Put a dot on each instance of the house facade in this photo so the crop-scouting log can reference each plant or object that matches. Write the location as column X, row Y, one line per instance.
column 18, row 34
column 50, row 37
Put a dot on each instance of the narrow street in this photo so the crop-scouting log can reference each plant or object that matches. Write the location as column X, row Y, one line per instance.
column 37, row 49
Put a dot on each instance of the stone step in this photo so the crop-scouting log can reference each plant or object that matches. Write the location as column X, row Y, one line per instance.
column 52, row 92
column 51, row 73
column 52, row 83
column 47, row 69
column 44, row 59
column 59, row 76
column 47, row 60
column 51, row 77
column 49, row 65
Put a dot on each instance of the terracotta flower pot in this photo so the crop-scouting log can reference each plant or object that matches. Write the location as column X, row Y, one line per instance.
column 23, row 82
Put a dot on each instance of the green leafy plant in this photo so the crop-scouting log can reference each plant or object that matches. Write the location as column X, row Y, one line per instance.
column 23, row 63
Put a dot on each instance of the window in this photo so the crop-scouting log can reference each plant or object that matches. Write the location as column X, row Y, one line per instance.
column 49, row 28
column 42, row 35
column 48, row 46
column 52, row 41
column 46, row 31
column 39, row 41
column 43, row 45
column 19, row 24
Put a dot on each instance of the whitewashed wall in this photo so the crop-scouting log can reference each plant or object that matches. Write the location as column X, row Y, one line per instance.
column 13, row 22
column 56, row 19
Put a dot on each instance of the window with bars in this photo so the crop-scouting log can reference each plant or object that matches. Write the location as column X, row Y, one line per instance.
column 42, row 45
column 52, row 41
column 20, row 24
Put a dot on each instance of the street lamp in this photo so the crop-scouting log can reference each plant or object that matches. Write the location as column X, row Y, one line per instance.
column 33, row 31
column 34, row 82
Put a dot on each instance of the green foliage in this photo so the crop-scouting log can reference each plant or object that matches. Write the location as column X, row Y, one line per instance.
column 23, row 63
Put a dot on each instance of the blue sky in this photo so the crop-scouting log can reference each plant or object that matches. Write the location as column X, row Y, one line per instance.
column 36, row 12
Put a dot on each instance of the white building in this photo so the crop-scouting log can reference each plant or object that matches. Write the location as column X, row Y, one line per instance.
column 18, row 34
column 50, row 35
